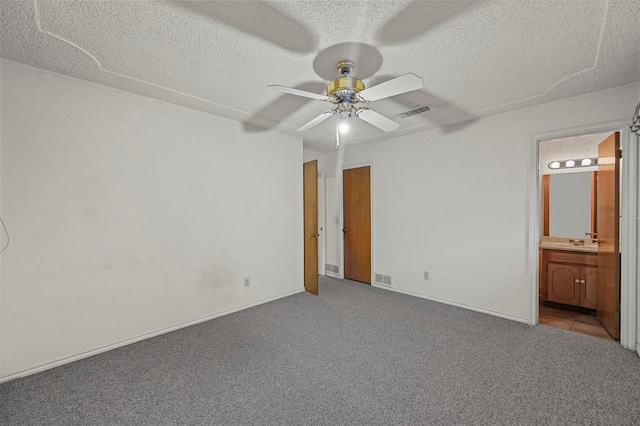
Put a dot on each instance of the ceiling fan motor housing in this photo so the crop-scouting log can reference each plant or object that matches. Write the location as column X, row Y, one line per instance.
column 344, row 89
column 346, row 84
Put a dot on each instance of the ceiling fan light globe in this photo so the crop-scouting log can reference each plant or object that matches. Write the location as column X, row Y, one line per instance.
column 343, row 128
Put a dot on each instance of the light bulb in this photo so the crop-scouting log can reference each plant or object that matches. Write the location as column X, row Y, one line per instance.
column 343, row 127
column 570, row 163
column 554, row 165
column 586, row 162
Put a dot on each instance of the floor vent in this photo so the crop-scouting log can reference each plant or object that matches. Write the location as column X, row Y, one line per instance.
column 383, row 279
column 334, row 269
column 414, row 111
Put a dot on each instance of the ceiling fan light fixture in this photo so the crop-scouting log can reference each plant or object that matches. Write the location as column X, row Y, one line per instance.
column 344, row 92
column 343, row 127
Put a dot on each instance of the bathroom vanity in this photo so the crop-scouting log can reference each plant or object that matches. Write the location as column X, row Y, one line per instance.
column 569, row 265
column 569, row 272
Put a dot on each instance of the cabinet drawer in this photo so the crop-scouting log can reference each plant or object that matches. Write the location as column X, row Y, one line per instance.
column 588, row 259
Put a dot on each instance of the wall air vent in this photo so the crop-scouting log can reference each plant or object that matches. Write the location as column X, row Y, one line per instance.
column 414, row 111
column 334, row 269
column 383, row 279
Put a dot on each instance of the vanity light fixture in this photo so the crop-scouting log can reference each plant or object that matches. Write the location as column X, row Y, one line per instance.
column 568, row 164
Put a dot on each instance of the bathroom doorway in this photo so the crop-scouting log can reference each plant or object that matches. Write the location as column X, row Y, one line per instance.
column 579, row 253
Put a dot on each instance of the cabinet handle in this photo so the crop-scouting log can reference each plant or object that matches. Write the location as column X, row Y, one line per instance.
column 577, row 280
column 582, row 281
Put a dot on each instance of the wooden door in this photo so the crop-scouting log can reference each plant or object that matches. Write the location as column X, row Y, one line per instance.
column 607, row 217
column 357, row 224
column 564, row 284
column 310, row 179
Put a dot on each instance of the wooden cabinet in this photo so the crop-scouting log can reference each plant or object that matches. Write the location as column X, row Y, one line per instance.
column 572, row 278
column 589, row 287
column 563, row 283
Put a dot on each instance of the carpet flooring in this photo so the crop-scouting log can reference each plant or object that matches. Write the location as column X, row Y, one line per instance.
column 352, row 355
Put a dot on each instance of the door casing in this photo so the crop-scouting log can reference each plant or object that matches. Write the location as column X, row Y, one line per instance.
column 630, row 299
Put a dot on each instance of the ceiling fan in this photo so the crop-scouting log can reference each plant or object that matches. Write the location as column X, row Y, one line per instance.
column 344, row 92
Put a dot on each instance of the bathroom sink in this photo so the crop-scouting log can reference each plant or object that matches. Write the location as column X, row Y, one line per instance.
column 569, row 244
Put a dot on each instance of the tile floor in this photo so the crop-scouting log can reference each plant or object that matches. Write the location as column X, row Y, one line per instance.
column 570, row 320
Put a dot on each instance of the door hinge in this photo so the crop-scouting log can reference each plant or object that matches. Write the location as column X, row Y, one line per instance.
column 617, row 306
column 619, row 153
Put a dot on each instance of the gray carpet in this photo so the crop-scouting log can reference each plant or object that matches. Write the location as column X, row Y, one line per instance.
column 353, row 355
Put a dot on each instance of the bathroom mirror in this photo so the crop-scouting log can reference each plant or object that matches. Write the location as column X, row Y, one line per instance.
column 571, row 204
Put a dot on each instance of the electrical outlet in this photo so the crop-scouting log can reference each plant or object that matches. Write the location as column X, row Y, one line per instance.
column 426, row 275
column 246, row 282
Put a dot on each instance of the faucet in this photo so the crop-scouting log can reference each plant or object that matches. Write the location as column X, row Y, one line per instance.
column 593, row 236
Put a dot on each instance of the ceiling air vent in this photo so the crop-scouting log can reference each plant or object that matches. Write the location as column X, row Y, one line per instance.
column 414, row 111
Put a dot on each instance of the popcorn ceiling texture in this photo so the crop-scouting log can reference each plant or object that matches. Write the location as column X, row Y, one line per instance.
column 476, row 58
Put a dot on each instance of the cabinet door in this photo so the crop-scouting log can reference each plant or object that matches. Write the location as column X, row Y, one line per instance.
column 563, row 284
column 589, row 287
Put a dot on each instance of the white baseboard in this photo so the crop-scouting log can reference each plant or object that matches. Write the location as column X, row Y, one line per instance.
column 67, row 360
column 452, row 303
column 333, row 275
column 638, row 348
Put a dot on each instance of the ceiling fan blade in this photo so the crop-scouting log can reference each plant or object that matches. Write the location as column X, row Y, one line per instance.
column 376, row 119
column 299, row 92
column 319, row 119
column 403, row 84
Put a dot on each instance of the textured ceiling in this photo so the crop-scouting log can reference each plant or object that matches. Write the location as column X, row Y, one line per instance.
column 476, row 58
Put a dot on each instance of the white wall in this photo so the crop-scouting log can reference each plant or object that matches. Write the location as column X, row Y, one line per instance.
column 455, row 203
column 129, row 216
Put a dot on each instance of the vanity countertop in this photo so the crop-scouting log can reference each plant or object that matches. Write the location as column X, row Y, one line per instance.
column 569, row 244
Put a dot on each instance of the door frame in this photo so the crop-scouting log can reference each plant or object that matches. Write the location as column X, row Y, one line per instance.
column 372, row 201
column 629, row 294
